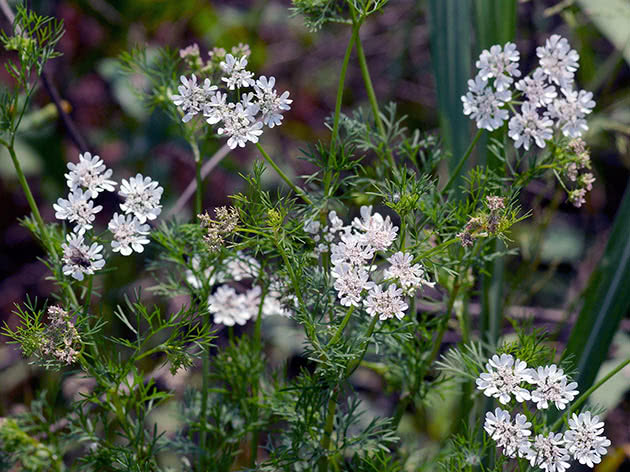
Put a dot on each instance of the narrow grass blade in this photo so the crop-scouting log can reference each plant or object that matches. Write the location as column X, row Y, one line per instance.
column 451, row 43
column 606, row 301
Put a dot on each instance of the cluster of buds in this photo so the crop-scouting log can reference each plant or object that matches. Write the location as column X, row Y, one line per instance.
column 573, row 158
column 225, row 223
column 60, row 341
column 485, row 224
column 191, row 55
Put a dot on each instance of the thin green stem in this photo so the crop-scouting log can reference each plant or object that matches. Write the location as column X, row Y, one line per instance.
column 330, row 422
column 351, row 368
column 372, row 98
column 43, row 232
column 461, row 163
column 341, row 327
column 340, row 87
column 284, row 177
column 88, row 294
column 29, row 196
column 585, row 395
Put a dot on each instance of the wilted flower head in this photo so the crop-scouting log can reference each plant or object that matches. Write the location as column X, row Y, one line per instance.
column 60, row 340
column 225, row 223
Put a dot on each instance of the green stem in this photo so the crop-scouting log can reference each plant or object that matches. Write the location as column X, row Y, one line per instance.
column 341, row 327
column 330, row 422
column 372, row 98
column 284, row 177
column 43, row 232
column 585, row 395
column 461, row 163
column 340, row 86
column 88, row 295
column 351, row 368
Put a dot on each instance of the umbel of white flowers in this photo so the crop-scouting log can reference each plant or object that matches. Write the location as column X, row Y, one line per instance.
column 353, row 267
column 506, row 377
column 238, row 113
column 86, row 180
column 547, row 98
column 227, row 305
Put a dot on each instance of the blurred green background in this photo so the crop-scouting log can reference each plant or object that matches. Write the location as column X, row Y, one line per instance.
column 559, row 245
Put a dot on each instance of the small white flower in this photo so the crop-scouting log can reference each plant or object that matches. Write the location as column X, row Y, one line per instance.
column 90, row 173
column 528, row 125
column 336, row 223
column 549, row 453
column 79, row 259
column 242, row 267
column 551, row 386
column 216, row 108
column 350, row 282
column 503, row 379
column 142, row 197
column 236, row 74
column 558, row 61
column 78, row 209
column 193, row 275
column 228, row 307
column 578, row 197
column 385, row 303
column 312, row 226
column 500, row 63
column 351, row 249
column 129, row 234
column 240, row 125
column 271, row 104
column 512, row 437
column 584, row 439
column 192, row 97
column 410, row 276
column 484, row 105
column 378, row 233
column 536, row 90
column 570, row 111
column 272, row 305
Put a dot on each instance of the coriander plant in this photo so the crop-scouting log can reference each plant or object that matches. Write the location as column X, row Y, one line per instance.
column 370, row 259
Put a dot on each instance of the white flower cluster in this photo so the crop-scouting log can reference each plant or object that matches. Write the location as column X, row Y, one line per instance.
column 228, row 306
column 583, row 441
column 241, row 115
column 547, row 97
column 352, row 257
column 86, row 180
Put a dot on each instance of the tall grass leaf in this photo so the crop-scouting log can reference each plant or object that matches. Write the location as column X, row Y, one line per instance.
column 451, row 43
column 606, row 301
column 495, row 22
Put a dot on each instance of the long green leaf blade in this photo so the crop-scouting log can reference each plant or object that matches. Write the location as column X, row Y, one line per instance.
column 450, row 23
column 606, row 301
